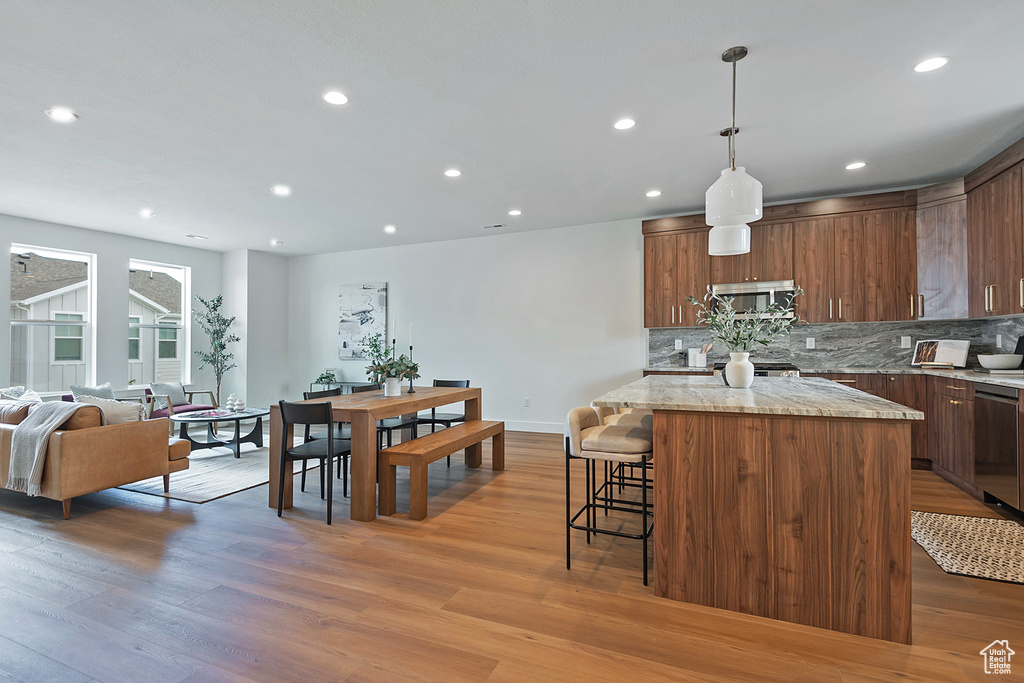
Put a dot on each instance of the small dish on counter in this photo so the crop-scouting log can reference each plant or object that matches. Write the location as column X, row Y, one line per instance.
column 1000, row 361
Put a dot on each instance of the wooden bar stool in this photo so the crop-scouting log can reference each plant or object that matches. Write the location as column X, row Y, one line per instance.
column 588, row 440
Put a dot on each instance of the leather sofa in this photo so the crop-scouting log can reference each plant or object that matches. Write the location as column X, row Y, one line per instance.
column 84, row 457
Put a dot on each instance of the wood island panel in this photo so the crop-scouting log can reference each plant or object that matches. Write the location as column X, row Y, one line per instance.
column 801, row 519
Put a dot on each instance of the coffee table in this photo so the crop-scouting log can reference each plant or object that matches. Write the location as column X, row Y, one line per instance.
column 212, row 417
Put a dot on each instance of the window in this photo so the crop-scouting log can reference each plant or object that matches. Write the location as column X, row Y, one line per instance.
column 168, row 343
column 134, row 337
column 158, row 322
column 67, row 339
column 52, row 303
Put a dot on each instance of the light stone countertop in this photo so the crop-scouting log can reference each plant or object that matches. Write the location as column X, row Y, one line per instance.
column 1011, row 381
column 797, row 396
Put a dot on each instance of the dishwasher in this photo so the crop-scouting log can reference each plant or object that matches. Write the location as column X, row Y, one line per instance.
column 996, row 457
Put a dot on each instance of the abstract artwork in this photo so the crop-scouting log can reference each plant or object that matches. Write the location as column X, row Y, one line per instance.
column 362, row 310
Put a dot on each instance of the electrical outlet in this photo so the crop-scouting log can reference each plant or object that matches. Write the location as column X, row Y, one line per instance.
column 904, row 342
column 999, row 341
column 810, row 342
column 526, row 402
column 679, row 344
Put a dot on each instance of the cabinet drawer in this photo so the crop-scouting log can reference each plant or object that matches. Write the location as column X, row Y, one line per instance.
column 957, row 388
column 871, row 383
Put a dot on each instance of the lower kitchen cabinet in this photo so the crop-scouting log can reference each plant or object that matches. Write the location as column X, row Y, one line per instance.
column 951, row 430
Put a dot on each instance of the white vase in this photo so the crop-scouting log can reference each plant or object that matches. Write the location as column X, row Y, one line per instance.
column 392, row 386
column 739, row 372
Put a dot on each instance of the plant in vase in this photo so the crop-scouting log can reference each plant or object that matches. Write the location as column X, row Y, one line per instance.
column 386, row 367
column 326, row 377
column 742, row 335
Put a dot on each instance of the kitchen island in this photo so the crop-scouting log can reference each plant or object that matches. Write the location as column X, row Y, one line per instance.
column 788, row 500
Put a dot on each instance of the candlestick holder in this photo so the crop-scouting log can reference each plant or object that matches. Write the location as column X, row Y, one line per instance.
column 412, row 389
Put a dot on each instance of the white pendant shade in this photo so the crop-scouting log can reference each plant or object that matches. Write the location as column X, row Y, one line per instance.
column 734, row 198
column 729, row 240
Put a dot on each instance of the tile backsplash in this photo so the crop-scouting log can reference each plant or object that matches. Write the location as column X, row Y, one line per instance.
column 848, row 345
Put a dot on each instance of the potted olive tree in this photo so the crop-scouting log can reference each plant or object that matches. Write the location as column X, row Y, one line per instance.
column 217, row 327
column 742, row 335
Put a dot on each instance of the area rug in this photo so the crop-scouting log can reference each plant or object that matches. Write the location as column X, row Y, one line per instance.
column 972, row 546
column 214, row 473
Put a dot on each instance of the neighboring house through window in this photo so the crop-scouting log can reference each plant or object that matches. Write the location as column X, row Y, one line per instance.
column 52, row 302
column 158, row 322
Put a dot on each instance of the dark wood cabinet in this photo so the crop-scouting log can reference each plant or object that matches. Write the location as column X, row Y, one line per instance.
column 951, row 430
column 813, row 264
column 875, row 273
column 675, row 267
column 770, row 257
column 995, row 245
column 911, row 391
column 942, row 259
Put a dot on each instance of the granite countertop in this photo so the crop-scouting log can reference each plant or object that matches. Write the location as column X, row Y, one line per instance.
column 1011, row 381
column 798, row 396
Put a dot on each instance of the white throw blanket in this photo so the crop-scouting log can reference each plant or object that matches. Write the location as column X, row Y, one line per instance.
column 29, row 442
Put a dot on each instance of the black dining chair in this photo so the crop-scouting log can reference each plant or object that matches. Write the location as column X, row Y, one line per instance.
column 343, row 430
column 434, row 418
column 389, row 424
column 325, row 450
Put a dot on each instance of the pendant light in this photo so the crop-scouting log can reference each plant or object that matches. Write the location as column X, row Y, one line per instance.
column 735, row 199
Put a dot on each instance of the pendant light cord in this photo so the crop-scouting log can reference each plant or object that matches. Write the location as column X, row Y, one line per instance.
column 732, row 131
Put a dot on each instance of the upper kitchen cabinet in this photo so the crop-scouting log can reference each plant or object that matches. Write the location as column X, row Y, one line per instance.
column 995, row 245
column 875, row 271
column 675, row 267
column 942, row 252
column 813, row 265
column 770, row 258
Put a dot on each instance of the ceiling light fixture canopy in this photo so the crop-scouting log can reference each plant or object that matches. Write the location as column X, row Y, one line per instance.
column 61, row 114
column 931, row 64
column 735, row 199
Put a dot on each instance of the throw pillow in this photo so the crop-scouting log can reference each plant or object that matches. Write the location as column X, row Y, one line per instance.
column 174, row 390
column 102, row 391
column 116, row 412
column 30, row 397
column 12, row 393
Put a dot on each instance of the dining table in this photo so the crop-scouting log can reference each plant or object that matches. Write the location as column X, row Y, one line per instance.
column 362, row 410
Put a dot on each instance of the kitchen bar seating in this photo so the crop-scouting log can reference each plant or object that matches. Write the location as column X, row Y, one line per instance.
column 588, row 440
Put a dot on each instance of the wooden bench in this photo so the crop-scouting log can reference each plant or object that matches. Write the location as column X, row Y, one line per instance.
column 417, row 454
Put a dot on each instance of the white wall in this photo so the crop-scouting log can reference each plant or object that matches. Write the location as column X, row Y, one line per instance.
column 111, row 315
column 554, row 315
column 236, row 296
column 267, row 379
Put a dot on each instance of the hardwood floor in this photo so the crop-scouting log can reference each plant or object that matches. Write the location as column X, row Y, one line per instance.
column 136, row 588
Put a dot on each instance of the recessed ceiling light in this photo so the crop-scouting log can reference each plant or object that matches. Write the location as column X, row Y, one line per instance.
column 931, row 64
column 624, row 124
column 196, row 237
column 389, row 229
column 855, row 165
column 281, row 190
column 147, row 213
column 515, row 212
column 62, row 114
column 276, row 243
column 335, row 97
column 453, row 173
column 654, row 193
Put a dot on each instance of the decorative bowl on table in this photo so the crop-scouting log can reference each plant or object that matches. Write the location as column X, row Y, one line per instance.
column 1000, row 361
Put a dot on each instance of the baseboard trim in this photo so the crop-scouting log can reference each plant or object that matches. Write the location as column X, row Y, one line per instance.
column 542, row 427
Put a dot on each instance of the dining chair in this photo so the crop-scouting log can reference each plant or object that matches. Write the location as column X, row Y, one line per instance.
column 325, row 450
column 434, row 418
column 389, row 424
column 343, row 430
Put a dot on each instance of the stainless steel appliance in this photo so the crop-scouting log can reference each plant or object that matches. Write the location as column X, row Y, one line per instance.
column 765, row 370
column 750, row 299
column 996, row 456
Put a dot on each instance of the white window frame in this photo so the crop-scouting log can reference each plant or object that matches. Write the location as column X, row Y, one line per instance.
column 134, row 326
column 64, row 323
column 184, row 328
column 177, row 342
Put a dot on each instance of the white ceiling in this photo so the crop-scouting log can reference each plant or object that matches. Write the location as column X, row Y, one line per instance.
column 196, row 108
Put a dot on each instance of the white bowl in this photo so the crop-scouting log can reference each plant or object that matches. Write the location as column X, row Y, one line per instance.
column 1000, row 361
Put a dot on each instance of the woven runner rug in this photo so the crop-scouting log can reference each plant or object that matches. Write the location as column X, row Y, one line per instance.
column 214, row 473
column 971, row 546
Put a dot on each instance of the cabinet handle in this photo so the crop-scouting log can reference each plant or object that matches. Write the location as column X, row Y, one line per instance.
column 950, row 386
column 673, row 315
column 892, row 379
column 1022, row 280
column 845, row 381
column 840, row 308
column 920, row 306
column 986, row 299
column 1022, row 292
column 680, row 314
column 956, row 403
column 912, row 297
column 830, row 309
